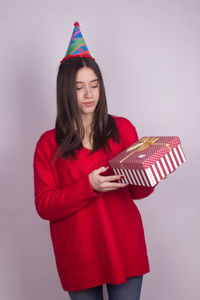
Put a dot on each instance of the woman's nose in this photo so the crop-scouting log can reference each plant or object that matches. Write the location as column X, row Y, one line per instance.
column 88, row 92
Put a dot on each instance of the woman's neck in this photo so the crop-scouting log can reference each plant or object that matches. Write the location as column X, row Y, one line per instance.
column 87, row 120
column 87, row 140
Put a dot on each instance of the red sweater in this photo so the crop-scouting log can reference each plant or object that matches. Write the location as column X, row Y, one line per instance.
column 97, row 237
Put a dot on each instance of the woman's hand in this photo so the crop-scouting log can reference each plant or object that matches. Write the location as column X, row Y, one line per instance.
column 104, row 183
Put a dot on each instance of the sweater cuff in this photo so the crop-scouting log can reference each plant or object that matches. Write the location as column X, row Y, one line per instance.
column 91, row 192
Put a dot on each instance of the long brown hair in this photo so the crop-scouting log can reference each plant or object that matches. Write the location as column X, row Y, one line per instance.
column 69, row 126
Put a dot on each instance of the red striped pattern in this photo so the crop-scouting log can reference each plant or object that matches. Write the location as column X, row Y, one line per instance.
column 155, row 172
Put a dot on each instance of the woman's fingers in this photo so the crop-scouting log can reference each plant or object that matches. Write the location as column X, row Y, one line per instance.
column 107, row 178
column 113, row 185
column 110, row 178
column 101, row 170
column 107, row 183
column 104, row 183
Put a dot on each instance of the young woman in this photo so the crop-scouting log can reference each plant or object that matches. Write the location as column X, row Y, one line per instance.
column 96, row 228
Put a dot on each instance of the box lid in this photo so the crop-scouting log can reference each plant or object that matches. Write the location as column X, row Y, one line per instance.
column 145, row 152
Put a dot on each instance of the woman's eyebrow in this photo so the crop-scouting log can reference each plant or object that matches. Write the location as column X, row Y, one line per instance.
column 90, row 81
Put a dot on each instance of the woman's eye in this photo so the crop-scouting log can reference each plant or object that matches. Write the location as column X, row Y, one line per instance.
column 93, row 87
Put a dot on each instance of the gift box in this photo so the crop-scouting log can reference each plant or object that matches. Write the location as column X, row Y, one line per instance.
column 149, row 160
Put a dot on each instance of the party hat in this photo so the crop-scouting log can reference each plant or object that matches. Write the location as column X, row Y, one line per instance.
column 77, row 46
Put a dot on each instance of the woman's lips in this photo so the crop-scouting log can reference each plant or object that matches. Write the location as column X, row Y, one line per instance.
column 88, row 104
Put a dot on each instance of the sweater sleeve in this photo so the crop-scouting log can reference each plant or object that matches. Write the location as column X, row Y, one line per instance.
column 131, row 136
column 53, row 203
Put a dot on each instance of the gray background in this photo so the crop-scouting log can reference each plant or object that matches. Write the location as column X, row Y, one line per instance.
column 148, row 52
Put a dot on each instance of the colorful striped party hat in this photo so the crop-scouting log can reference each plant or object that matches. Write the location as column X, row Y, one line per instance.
column 77, row 46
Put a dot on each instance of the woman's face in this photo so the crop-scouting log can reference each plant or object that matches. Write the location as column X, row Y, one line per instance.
column 87, row 90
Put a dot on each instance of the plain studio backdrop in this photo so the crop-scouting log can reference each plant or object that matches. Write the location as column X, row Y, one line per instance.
column 148, row 52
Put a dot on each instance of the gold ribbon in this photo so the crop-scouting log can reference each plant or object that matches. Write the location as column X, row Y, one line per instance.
column 142, row 145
